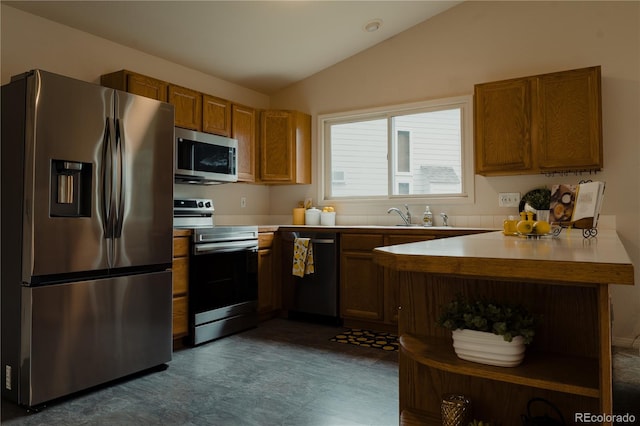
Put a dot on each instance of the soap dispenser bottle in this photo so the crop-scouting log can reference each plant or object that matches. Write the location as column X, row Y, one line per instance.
column 427, row 217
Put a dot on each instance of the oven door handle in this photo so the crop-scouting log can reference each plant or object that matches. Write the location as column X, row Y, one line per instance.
column 224, row 247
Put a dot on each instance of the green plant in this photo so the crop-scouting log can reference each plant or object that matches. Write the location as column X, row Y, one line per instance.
column 502, row 319
column 539, row 199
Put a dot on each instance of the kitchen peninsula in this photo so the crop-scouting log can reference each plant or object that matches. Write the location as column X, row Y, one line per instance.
column 564, row 281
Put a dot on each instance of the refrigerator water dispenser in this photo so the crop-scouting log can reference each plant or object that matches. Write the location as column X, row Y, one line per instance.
column 70, row 189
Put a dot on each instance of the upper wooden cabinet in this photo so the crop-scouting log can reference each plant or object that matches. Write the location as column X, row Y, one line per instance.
column 545, row 123
column 216, row 115
column 243, row 128
column 285, row 147
column 188, row 106
column 136, row 83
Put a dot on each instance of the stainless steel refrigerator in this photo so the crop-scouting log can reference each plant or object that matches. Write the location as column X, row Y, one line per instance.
column 87, row 210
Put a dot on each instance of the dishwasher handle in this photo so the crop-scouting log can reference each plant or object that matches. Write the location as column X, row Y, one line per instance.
column 322, row 241
column 331, row 239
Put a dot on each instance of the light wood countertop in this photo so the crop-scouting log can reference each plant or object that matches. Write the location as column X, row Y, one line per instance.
column 570, row 258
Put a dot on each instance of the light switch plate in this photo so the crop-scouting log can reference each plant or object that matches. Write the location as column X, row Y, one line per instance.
column 509, row 199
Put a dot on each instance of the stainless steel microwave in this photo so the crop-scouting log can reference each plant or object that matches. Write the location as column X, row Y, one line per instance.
column 203, row 158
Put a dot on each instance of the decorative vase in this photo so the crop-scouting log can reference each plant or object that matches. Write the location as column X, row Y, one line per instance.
column 488, row 348
column 455, row 410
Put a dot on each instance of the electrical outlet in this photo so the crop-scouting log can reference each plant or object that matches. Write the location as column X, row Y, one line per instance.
column 509, row 199
column 243, row 202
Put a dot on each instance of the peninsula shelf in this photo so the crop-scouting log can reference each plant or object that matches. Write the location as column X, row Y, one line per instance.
column 564, row 281
column 557, row 372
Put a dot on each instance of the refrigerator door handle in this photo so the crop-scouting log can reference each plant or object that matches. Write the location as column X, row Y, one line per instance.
column 106, row 182
column 121, row 178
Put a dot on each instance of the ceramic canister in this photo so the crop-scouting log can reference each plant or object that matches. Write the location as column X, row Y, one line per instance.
column 312, row 216
column 328, row 218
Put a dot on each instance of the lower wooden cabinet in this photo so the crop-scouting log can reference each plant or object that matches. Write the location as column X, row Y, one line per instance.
column 361, row 283
column 180, row 283
column 269, row 293
column 369, row 294
column 391, row 289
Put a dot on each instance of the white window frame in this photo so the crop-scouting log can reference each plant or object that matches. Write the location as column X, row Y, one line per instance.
column 323, row 171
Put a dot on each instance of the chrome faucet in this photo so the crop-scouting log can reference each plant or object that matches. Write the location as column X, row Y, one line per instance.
column 406, row 218
column 445, row 219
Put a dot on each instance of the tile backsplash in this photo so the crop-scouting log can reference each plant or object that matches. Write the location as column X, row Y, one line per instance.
column 475, row 221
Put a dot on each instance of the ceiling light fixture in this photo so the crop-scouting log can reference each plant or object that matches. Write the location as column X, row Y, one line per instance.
column 373, row 25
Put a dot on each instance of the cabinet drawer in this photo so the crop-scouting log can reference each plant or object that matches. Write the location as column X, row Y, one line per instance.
column 361, row 242
column 265, row 239
column 180, row 318
column 180, row 275
column 180, row 247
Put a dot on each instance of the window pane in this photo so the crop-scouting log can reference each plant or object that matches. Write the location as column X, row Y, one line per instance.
column 417, row 150
column 435, row 157
column 359, row 157
column 403, row 151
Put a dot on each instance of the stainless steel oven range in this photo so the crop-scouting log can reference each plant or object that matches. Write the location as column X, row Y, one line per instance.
column 223, row 273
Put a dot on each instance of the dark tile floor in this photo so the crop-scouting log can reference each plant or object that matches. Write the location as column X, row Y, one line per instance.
column 282, row 373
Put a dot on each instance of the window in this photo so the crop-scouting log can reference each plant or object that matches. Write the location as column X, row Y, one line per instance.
column 403, row 151
column 421, row 150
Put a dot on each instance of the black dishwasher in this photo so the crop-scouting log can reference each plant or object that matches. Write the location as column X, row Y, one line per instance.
column 313, row 297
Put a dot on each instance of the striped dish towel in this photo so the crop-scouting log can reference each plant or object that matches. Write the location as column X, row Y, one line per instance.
column 302, row 257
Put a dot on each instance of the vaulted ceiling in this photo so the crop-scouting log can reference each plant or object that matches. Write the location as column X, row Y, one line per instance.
column 261, row 45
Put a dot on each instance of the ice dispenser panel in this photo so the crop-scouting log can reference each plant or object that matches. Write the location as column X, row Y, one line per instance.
column 70, row 188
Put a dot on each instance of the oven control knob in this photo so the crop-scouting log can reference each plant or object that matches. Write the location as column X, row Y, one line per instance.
column 200, row 204
column 207, row 204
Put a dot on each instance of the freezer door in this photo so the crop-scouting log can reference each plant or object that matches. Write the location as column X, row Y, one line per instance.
column 66, row 123
column 78, row 335
column 144, row 130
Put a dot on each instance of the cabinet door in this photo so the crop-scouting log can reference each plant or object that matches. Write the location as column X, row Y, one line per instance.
column 243, row 128
column 147, row 86
column 188, row 107
column 136, row 83
column 569, row 117
column 362, row 291
column 361, row 280
column 180, row 275
column 502, row 125
column 391, row 277
column 266, row 294
column 180, row 317
column 276, row 147
column 216, row 115
column 285, row 147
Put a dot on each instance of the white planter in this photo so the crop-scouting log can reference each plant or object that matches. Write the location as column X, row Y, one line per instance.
column 488, row 348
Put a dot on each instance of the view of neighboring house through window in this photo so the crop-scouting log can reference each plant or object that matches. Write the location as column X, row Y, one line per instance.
column 402, row 151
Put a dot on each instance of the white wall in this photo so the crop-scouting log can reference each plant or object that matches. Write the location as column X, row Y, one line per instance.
column 443, row 57
column 477, row 42
column 29, row 42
